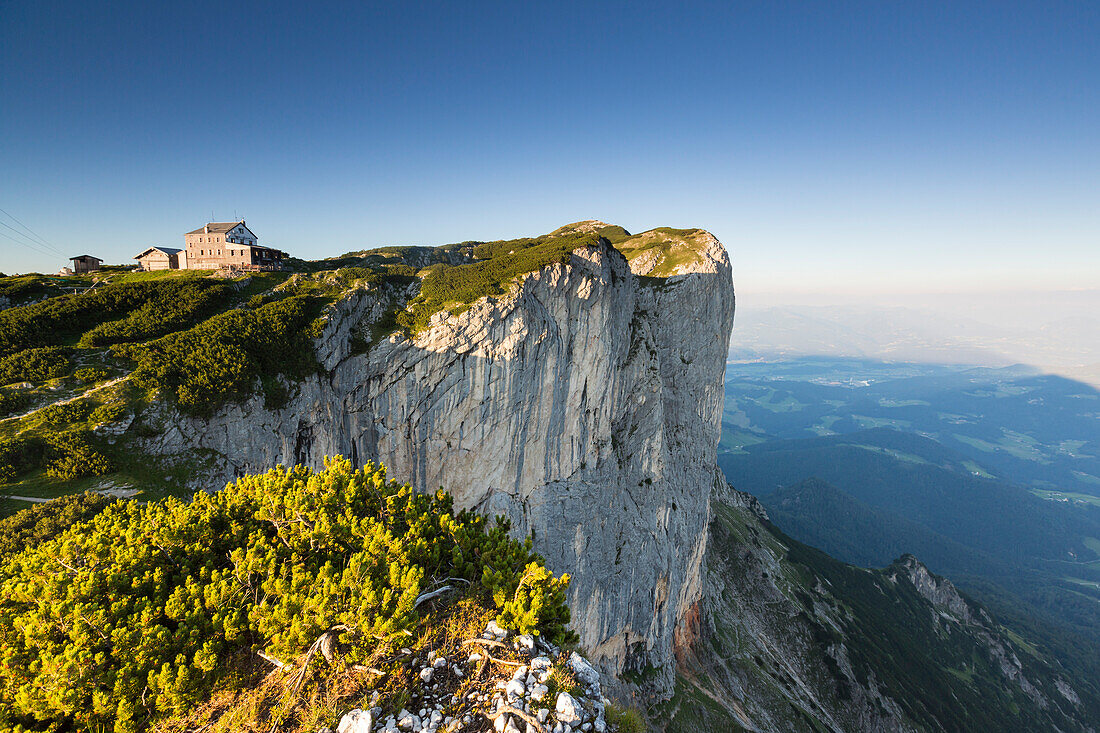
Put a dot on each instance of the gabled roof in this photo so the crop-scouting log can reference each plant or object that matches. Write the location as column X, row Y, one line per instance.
column 87, row 257
column 218, row 227
column 165, row 250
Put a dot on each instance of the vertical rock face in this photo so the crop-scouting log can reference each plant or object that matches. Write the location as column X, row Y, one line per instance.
column 584, row 405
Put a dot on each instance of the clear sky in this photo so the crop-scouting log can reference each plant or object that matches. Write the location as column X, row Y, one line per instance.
column 832, row 146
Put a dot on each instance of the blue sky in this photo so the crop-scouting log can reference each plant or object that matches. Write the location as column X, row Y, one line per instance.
column 835, row 147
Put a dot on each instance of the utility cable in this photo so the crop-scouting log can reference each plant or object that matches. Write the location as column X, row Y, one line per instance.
column 33, row 233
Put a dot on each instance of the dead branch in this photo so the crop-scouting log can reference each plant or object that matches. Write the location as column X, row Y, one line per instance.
column 425, row 597
column 271, row 659
column 532, row 722
column 486, row 642
column 368, row 670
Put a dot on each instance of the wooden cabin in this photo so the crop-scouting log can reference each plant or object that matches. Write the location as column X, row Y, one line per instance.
column 83, row 264
column 162, row 258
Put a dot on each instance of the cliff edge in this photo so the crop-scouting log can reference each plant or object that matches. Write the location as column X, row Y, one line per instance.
column 584, row 404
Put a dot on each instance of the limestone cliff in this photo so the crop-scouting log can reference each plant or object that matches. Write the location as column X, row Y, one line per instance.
column 584, row 405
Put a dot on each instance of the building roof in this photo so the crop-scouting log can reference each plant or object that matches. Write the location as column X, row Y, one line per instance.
column 217, row 227
column 165, row 250
column 87, row 257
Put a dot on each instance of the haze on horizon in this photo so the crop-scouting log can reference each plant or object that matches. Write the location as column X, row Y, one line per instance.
column 863, row 149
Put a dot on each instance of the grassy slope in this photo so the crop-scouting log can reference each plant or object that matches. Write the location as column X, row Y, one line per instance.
column 939, row 672
column 90, row 383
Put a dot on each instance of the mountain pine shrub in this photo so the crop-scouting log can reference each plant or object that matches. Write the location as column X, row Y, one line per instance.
column 224, row 358
column 141, row 611
column 496, row 264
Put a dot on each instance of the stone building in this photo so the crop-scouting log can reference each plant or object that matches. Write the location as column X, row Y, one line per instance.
column 162, row 258
column 228, row 245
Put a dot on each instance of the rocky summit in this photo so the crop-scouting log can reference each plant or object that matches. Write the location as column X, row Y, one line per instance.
column 583, row 403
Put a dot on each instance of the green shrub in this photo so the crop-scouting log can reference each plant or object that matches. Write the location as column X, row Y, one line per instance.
column 72, row 454
column 500, row 263
column 12, row 401
column 17, row 456
column 36, row 365
column 42, row 522
column 66, row 413
column 224, row 358
column 111, row 314
column 134, row 615
column 91, row 375
column 625, row 720
column 25, row 287
column 107, row 413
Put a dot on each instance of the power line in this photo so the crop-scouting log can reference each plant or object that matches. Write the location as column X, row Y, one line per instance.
column 21, row 234
column 31, row 247
column 35, row 235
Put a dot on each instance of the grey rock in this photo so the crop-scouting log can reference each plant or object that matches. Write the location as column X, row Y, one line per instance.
column 356, row 721
column 515, row 688
column 567, row 709
column 584, row 405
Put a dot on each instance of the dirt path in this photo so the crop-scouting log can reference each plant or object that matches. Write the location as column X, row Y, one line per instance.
column 67, row 400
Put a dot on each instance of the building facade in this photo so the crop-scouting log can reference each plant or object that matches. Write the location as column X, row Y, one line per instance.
column 83, row 264
column 162, row 258
column 228, row 245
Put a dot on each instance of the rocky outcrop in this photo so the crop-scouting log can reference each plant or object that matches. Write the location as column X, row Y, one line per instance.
column 519, row 701
column 951, row 606
column 788, row 639
column 584, row 405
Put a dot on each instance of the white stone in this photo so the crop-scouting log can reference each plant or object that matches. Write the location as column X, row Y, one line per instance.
column 540, row 663
column 515, row 688
column 500, row 722
column 567, row 709
column 538, row 692
column 583, row 670
column 511, row 727
column 439, row 662
column 543, row 714
column 526, row 641
column 426, row 674
column 495, row 629
column 408, row 720
column 356, row 721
